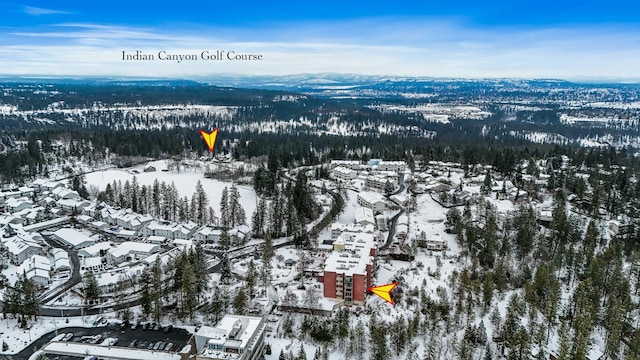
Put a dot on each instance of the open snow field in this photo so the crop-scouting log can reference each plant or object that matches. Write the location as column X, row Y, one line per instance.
column 185, row 181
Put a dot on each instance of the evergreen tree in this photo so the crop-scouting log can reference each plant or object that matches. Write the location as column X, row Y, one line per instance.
column 225, row 239
column 202, row 202
column 224, row 208
column 90, row 286
column 240, row 303
column 257, row 220
column 217, row 306
column 145, row 292
column 250, row 279
column 236, row 212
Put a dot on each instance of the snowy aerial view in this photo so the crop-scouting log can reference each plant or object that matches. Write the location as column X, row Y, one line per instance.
column 337, row 180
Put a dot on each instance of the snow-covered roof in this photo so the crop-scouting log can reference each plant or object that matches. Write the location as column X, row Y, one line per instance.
column 17, row 245
column 133, row 247
column 371, row 197
column 91, row 261
column 36, row 262
column 364, row 214
column 73, row 237
column 94, row 250
column 16, row 202
column 356, row 256
column 81, row 350
column 235, row 330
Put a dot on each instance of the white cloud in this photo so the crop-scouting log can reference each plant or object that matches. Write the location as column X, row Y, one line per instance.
column 392, row 48
column 37, row 11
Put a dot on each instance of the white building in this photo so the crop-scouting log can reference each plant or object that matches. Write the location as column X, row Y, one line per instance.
column 37, row 268
column 73, row 238
column 12, row 193
column 381, row 165
column 158, row 228
column 20, row 248
column 364, row 216
column 379, row 182
column 131, row 251
column 208, row 234
column 13, row 205
column 338, row 228
column 97, row 249
column 64, row 193
column 235, row 337
column 373, row 201
column 348, row 164
column 60, row 260
column 72, row 204
column 344, row 174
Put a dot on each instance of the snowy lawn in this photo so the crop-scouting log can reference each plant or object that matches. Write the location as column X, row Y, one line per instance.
column 185, row 182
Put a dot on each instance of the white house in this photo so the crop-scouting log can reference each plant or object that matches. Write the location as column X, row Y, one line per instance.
column 344, row 174
column 158, row 228
column 348, row 164
column 97, row 249
column 373, row 201
column 240, row 234
column 364, row 216
column 131, row 251
column 37, row 268
column 72, row 204
column 64, row 193
column 60, row 260
column 17, row 204
column 20, row 249
column 208, row 234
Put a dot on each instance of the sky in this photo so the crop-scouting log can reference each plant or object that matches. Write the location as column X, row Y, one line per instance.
column 574, row 40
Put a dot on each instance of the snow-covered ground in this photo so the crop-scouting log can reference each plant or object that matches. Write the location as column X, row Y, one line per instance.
column 185, row 181
column 18, row 339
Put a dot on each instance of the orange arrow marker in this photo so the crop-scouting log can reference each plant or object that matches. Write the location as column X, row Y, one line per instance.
column 210, row 138
column 384, row 291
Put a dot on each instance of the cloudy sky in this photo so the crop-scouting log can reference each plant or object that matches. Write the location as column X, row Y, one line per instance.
column 575, row 40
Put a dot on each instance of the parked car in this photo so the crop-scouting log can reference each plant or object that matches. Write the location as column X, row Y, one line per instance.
column 157, row 345
column 96, row 339
column 145, row 326
column 168, row 347
column 98, row 321
column 150, row 346
column 156, row 327
column 67, row 337
column 152, row 325
column 133, row 343
column 134, row 325
column 168, row 328
column 110, row 341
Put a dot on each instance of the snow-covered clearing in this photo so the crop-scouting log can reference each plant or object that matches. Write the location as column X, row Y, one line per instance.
column 185, row 181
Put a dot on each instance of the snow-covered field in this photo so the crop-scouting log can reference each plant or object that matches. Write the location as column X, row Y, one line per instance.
column 185, row 182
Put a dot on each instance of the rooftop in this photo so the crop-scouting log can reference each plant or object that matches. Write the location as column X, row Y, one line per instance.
column 232, row 330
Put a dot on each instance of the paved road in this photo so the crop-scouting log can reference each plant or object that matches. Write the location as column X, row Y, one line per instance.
column 75, row 274
column 394, row 220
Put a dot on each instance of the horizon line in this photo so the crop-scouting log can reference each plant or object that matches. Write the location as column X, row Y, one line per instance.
column 209, row 77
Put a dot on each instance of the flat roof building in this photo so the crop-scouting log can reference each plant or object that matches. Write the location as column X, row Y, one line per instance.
column 73, row 238
column 348, row 269
column 235, row 337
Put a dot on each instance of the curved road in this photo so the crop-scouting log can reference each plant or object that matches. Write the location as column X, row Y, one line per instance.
column 394, row 219
column 75, row 274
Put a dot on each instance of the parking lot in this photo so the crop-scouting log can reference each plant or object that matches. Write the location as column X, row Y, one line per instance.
column 177, row 337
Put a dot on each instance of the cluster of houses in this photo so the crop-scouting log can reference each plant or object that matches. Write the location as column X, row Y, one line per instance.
column 376, row 174
column 49, row 204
